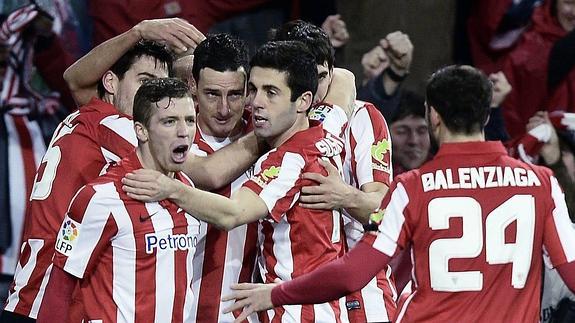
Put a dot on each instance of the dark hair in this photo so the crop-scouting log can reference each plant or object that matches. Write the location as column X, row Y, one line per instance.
column 159, row 52
column 153, row 91
column 293, row 58
column 220, row 52
column 410, row 104
column 461, row 95
column 316, row 40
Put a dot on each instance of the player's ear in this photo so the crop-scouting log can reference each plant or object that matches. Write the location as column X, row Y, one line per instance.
column 141, row 131
column 304, row 101
column 434, row 118
column 110, row 82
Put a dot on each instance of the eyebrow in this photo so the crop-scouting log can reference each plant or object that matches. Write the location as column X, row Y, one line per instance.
column 147, row 74
column 271, row 87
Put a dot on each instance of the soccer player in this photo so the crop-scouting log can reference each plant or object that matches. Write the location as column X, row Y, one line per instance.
column 133, row 259
column 222, row 258
column 367, row 170
column 478, row 221
column 99, row 133
column 294, row 240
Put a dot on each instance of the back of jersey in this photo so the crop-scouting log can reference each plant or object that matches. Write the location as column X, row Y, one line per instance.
column 479, row 222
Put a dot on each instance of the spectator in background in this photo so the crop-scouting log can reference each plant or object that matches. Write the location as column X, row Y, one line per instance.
column 385, row 67
column 526, row 68
column 27, row 116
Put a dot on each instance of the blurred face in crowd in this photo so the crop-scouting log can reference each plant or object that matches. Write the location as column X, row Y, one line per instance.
column 411, row 144
column 143, row 68
column 566, row 14
column 324, row 80
column 221, row 101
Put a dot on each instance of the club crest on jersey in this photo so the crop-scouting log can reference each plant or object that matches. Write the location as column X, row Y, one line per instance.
column 267, row 175
column 319, row 113
column 378, row 152
column 67, row 236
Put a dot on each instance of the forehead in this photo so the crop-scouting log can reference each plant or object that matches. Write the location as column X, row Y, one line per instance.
column 260, row 76
column 411, row 121
column 210, row 78
column 147, row 64
column 179, row 107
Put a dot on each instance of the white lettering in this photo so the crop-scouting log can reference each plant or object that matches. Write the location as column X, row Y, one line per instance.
column 479, row 177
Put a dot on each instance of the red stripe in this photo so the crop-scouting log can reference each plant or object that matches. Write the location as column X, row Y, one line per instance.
column 269, row 258
column 212, row 275
column 385, row 285
column 180, row 270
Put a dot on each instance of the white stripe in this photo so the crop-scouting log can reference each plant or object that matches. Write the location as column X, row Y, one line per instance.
column 324, row 313
column 40, row 295
column 373, row 301
column 563, row 224
column 234, row 256
column 124, row 127
column 23, row 274
column 282, row 250
column 198, row 265
column 123, row 262
column 165, row 265
column 191, row 299
column 392, row 222
column 291, row 168
column 404, row 307
column 362, row 130
column 292, row 314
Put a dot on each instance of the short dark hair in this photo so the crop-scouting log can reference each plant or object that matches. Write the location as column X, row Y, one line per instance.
column 153, row 91
column 293, row 58
column 410, row 104
column 461, row 95
column 220, row 52
column 316, row 40
column 159, row 52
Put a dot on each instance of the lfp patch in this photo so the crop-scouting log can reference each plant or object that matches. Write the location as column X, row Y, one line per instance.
column 67, row 236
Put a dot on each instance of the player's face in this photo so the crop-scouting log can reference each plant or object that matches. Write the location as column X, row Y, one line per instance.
column 143, row 68
column 566, row 14
column 221, row 101
column 410, row 142
column 324, row 75
column 170, row 133
column 273, row 113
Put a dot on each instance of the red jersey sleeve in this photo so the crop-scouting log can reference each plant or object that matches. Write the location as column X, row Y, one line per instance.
column 278, row 181
column 559, row 234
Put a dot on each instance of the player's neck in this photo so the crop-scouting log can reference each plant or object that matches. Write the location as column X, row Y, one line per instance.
column 301, row 123
column 450, row 137
column 149, row 162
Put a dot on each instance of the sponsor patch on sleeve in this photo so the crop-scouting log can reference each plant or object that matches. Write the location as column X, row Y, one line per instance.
column 67, row 236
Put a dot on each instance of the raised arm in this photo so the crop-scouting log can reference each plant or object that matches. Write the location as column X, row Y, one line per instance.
column 225, row 165
column 342, row 90
column 83, row 76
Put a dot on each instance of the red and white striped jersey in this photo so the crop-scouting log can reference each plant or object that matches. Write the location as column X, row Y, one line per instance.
column 479, row 223
column 295, row 240
column 82, row 148
column 368, row 159
column 134, row 258
column 222, row 258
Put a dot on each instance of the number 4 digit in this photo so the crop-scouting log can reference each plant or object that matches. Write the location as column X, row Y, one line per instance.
column 519, row 207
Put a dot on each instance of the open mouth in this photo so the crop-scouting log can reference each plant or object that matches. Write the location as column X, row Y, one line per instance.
column 259, row 121
column 179, row 153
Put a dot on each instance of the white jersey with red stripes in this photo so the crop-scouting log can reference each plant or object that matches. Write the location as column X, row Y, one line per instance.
column 222, row 258
column 82, row 148
column 134, row 258
column 368, row 159
column 25, row 147
column 479, row 223
column 295, row 240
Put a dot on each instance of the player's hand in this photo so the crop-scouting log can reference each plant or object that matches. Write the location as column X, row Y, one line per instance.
column 177, row 33
column 501, row 88
column 399, row 49
column 251, row 297
column 374, row 62
column 331, row 193
column 148, row 185
column 335, row 28
column 550, row 151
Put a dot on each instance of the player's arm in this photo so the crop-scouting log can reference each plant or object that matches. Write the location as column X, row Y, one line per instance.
column 83, row 76
column 342, row 90
column 243, row 207
column 333, row 193
column 57, row 297
column 332, row 281
column 225, row 165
